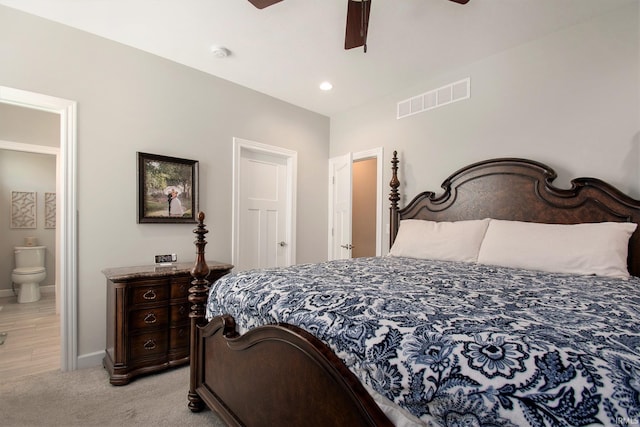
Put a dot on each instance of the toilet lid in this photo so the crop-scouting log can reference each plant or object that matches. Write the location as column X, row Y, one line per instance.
column 28, row 270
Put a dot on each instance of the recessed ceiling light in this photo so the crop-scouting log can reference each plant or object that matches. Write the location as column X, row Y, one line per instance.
column 220, row 52
column 326, row 86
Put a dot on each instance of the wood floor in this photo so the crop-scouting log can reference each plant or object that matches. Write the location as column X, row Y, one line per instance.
column 32, row 343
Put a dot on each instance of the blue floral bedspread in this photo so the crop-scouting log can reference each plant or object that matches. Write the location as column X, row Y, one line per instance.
column 462, row 344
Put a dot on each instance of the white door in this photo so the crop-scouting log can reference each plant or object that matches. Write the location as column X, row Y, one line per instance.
column 340, row 207
column 340, row 202
column 263, row 227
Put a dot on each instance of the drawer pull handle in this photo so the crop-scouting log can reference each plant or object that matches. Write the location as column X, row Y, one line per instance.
column 150, row 294
column 150, row 318
column 150, row 344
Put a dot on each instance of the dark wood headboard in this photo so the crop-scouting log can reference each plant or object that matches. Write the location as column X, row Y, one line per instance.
column 518, row 190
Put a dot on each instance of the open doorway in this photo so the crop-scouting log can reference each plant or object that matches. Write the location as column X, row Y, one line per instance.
column 351, row 225
column 363, row 213
column 29, row 150
column 31, row 169
column 66, row 216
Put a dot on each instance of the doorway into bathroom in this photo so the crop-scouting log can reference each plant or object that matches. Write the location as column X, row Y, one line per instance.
column 66, row 209
column 29, row 149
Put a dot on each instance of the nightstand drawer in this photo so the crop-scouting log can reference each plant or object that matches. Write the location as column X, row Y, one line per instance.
column 148, row 344
column 180, row 313
column 148, row 318
column 151, row 292
column 180, row 287
column 179, row 337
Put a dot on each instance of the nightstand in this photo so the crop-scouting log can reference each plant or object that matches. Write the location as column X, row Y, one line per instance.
column 148, row 325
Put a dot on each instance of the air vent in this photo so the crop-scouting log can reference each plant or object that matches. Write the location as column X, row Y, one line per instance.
column 439, row 97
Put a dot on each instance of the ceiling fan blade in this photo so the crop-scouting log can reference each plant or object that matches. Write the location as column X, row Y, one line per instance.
column 461, row 1
column 261, row 4
column 357, row 23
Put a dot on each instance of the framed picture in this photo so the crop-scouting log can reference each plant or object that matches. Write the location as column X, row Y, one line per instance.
column 49, row 210
column 23, row 209
column 167, row 189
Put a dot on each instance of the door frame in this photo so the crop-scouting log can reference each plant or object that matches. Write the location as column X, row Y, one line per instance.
column 291, row 158
column 378, row 154
column 67, row 251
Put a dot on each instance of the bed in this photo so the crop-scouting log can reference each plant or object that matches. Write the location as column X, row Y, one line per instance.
column 509, row 316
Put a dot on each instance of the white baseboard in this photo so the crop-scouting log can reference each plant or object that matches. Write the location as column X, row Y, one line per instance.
column 9, row 292
column 90, row 360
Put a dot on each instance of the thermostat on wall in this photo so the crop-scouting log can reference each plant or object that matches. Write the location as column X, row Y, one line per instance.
column 166, row 259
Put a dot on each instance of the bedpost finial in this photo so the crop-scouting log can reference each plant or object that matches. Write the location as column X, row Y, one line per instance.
column 394, row 196
column 200, row 269
column 200, row 230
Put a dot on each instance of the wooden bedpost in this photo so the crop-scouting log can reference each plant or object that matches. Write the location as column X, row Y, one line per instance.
column 198, row 294
column 394, row 197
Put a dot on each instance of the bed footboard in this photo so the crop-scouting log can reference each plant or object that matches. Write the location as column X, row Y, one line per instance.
column 278, row 375
column 275, row 375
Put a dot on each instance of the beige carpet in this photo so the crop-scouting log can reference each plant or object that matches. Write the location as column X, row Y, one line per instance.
column 86, row 398
column 3, row 335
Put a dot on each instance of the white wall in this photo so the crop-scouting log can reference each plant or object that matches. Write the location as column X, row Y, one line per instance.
column 131, row 101
column 570, row 100
column 29, row 126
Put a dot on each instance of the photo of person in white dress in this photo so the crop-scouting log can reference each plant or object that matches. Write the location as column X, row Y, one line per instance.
column 175, row 206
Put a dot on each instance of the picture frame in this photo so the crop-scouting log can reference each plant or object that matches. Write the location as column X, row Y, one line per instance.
column 167, row 189
column 23, row 209
column 49, row 210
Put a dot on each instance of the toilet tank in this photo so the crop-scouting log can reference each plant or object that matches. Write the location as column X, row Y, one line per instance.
column 29, row 256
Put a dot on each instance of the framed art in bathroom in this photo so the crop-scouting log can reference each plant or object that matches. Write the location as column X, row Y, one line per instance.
column 23, row 209
column 49, row 210
column 167, row 189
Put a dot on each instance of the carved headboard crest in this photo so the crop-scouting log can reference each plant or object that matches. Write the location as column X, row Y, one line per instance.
column 518, row 190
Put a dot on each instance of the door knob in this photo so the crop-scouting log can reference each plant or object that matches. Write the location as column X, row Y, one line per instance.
column 282, row 244
column 347, row 246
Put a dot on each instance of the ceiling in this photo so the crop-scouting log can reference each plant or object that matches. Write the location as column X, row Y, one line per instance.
column 288, row 49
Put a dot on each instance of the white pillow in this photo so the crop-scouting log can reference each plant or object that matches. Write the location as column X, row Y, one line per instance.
column 594, row 248
column 450, row 241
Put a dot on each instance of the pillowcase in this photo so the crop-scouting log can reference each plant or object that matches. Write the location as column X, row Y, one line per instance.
column 449, row 241
column 585, row 249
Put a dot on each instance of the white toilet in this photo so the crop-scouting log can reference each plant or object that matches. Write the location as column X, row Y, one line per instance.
column 29, row 272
